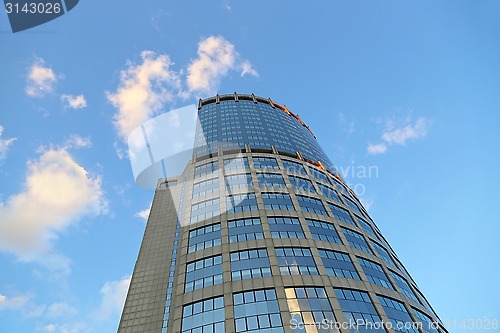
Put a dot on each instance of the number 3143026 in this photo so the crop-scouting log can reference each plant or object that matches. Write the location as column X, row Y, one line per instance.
column 33, row 8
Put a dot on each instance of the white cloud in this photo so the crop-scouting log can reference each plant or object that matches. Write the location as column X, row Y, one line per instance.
column 246, row 68
column 144, row 214
column 113, row 297
column 41, row 79
column 76, row 327
column 13, row 303
column 379, row 148
column 4, row 145
column 367, row 203
column 74, row 102
column 145, row 88
column 50, row 328
column 216, row 57
column 57, row 310
column 57, row 192
column 400, row 134
column 143, row 91
column 22, row 303
column 347, row 124
column 76, row 141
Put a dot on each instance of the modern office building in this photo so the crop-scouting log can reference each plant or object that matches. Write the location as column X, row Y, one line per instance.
column 260, row 234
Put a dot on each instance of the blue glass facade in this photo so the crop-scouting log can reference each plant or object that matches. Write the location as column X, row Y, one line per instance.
column 309, row 306
column 296, row 261
column 257, row 311
column 357, row 307
column 250, row 264
column 398, row 315
column 374, row 273
column 204, row 316
column 338, row 264
column 258, row 123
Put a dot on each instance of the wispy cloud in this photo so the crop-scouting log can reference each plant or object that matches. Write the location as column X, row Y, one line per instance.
column 216, row 57
column 158, row 18
column 143, row 90
column 113, row 298
column 5, row 145
column 400, row 133
column 57, row 193
column 347, row 124
column 76, row 142
column 22, row 303
column 378, row 148
column 41, row 79
column 413, row 130
column 246, row 68
column 367, row 203
column 13, row 303
column 74, row 102
column 73, row 327
column 60, row 309
column 143, row 214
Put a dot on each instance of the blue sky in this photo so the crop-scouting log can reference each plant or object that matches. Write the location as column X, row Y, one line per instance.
column 407, row 90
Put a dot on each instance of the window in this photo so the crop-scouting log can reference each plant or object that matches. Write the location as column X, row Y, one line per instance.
column 427, row 305
column 302, row 184
column 271, row 180
column 239, row 181
column 366, row 226
column 205, row 210
column 203, row 273
column 257, row 311
column 323, row 231
column 239, row 163
column 296, row 261
column 356, row 305
column 319, row 175
column 374, row 273
column 384, row 255
column 206, row 169
column 244, row 230
column 338, row 264
column 427, row 323
column 403, row 286
column 398, row 315
column 340, row 187
column 329, row 192
column 353, row 206
column 311, row 205
column 206, row 187
column 204, row 316
column 241, row 203
column 277, row 201
column 291, row 166
column 265, row 163
column 249, row 264
column 204, row 237
column 285, row 227
column 309, row 307
column 356, row 240
column 341, row 214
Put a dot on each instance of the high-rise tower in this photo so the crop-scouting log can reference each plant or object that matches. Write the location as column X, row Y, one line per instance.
column 260, row 234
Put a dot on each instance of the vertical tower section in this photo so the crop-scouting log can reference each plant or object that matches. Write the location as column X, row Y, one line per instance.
column 262, row 235
column 144, row 309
